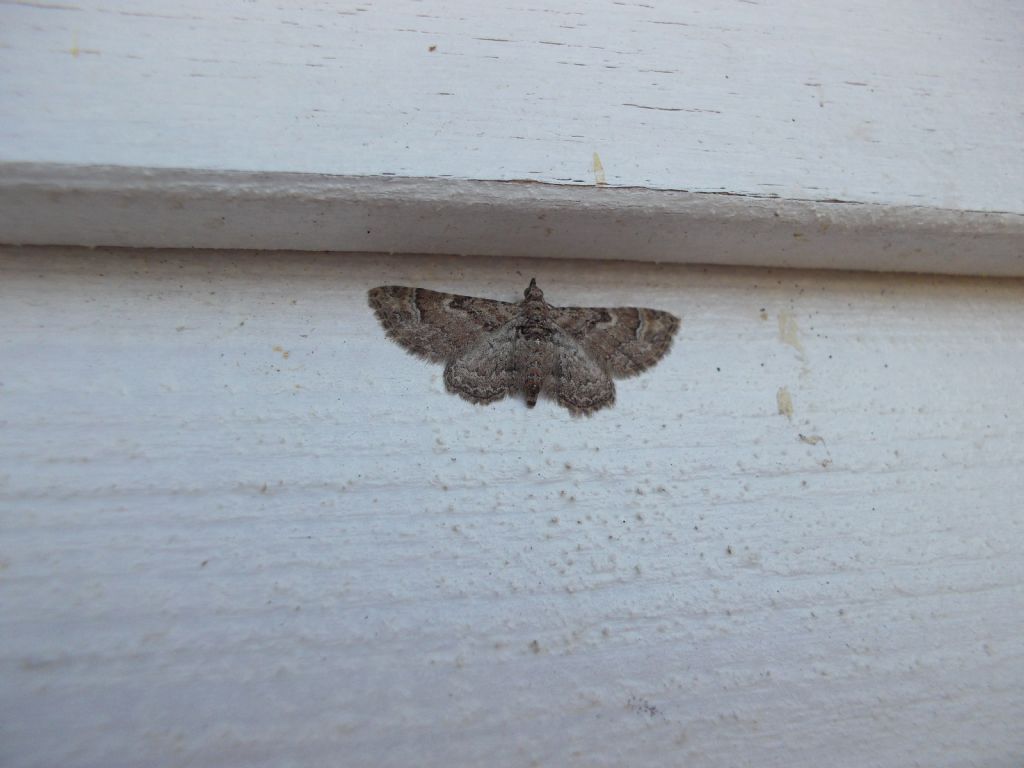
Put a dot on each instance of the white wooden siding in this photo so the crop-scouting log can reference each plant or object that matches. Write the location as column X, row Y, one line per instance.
column 910, row 110
column 200, row 209
column 897, row 103
column 240, row 528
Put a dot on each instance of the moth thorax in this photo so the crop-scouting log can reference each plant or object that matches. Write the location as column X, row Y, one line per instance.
column 533, row 292
column 534, row 332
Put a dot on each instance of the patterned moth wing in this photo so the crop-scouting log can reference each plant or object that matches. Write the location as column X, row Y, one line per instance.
column 436, row 325
column 493, row 348
column 582, row 385
column 625, row 341
column 486, row 371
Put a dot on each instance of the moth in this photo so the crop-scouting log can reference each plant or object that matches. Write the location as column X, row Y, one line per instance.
column 492, row 349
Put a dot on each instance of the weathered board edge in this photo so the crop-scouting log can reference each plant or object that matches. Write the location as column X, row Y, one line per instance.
column 51, row 204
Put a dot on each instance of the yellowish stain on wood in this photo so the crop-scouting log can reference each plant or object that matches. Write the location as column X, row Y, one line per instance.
column 785, row 403
column 789, row 332
column 598, row 168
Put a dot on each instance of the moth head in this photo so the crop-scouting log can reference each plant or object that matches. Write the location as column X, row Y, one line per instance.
column 533, row 292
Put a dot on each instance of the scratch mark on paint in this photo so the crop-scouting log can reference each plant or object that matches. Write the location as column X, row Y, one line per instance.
column 48, row 6
column 820, row 90
column 672, row 109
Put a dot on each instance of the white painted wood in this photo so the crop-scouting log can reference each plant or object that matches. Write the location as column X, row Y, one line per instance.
column 899, row 104
column 44, row 204
column 240, row 528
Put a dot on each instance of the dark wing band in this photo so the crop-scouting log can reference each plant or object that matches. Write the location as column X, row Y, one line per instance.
column 626, row 340
column 436, row 325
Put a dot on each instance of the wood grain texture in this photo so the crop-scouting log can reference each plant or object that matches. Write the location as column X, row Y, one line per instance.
column 241, row 528
column 875, row 101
